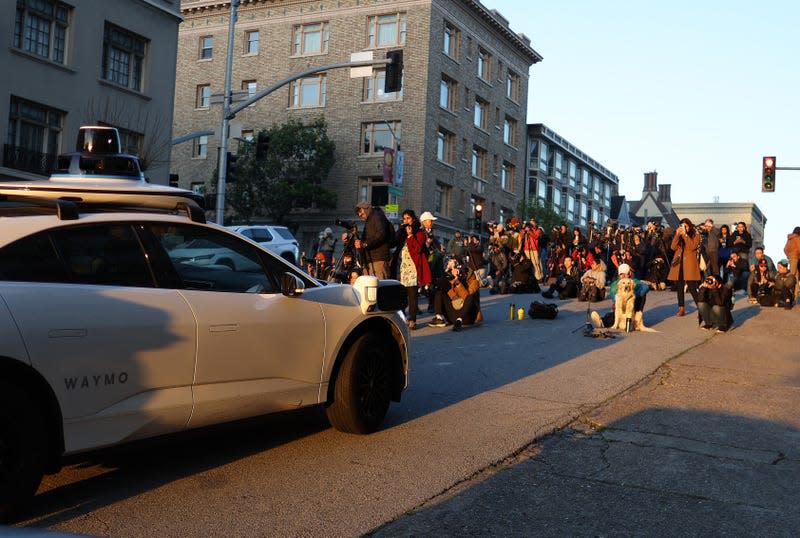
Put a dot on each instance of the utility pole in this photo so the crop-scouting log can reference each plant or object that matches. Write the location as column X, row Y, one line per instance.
column 226, row 112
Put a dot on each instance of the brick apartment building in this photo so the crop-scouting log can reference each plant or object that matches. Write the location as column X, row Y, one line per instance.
column 460, row 119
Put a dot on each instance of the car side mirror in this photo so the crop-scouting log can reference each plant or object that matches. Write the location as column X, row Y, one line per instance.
column 292, row 285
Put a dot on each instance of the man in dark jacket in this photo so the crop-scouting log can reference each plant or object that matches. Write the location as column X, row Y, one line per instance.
column 374, row 241
column 785, row 283
column 714, row 304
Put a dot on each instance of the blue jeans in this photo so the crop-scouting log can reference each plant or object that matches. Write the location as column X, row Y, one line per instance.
column 717, row 316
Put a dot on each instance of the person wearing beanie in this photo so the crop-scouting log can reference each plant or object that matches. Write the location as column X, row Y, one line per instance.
column 792, row 251
column 785, row 285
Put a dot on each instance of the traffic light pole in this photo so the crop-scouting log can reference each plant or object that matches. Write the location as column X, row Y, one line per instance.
column 226, row 117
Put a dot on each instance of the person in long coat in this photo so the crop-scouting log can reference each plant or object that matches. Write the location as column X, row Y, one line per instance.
column 413, row 270
column 685, row 269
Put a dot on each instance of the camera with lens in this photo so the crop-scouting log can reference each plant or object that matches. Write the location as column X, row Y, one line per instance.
column 349, row 224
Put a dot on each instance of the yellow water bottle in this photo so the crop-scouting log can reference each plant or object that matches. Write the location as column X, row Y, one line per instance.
column 521, row 313
column 511, row 309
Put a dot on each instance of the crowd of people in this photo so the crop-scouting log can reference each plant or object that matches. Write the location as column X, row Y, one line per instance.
column 709, row 262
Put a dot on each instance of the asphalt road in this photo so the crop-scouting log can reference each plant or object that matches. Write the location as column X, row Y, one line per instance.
column 476, row 398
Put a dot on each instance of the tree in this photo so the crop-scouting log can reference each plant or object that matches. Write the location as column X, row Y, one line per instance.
column 291, row 175
column 533, row 208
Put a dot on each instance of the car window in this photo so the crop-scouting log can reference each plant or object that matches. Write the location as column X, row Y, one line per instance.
column 207, row 259
column 261, row 235
column 107, row 254
column 284, row 233
column 103, row 254
column 32, row 259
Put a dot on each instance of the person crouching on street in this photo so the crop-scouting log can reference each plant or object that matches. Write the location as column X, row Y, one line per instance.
column 457, row 298
column 714, row 304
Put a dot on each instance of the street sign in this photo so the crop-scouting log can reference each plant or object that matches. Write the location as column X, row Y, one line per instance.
column 396, row 191
column 364, row 70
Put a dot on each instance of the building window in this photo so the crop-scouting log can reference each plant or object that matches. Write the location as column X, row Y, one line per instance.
column 513, row 85
column 452, row 40
column 480, row 162
column 203, row 96
column 41, row 28
column 541, row 191
column 373, row 88
column 446, row 146
column 448, row 94
column 571, row 208
column 484, row 64
column 571, row 173
column 206, row 47
column 311, row 38
column 597, row 186
column 442, row 199
column 123, row 57
column 543, row 157
column 200, row 149
column 510, row 131
column 251, row 87
column 309, row 92
column 375, row 191
column 34, row 136
column 251, row 42
column 380, row 135
column 556, row 200
column 481, row 113
column 507, row 171
column 387, row 30
column 559, row 162
column 248, row 134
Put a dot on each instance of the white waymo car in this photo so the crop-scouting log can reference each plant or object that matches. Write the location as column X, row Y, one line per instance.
column 111, row 330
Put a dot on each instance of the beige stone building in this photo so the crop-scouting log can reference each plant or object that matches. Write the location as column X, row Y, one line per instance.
column 67, row 64
column 727, row 213
column 460, row 119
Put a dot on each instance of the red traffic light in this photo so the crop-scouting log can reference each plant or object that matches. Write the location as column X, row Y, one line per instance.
column 768, row 173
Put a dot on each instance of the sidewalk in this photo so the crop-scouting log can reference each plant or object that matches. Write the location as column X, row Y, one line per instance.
column 708, row 445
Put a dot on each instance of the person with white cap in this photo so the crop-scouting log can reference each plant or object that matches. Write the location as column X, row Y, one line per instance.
column 327, row 244
column 641, row 287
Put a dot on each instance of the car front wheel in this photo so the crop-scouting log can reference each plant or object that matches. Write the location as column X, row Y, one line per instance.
column 22, row 449
column 362, row 390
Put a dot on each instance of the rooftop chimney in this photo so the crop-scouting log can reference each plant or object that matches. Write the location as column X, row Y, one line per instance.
column 650, row 182
column 664, row 195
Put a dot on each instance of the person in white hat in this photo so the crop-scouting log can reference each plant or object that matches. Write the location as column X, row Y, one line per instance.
column 640, row 292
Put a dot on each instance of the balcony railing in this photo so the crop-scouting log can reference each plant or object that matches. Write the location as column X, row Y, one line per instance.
column 27, row 160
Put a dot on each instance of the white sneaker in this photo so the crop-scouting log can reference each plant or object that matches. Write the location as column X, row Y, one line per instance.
column 598, row 322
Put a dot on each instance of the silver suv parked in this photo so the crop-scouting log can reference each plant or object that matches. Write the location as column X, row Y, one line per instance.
column 278, row 239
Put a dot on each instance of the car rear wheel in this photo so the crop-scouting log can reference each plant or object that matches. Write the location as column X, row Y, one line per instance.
column 363, row 388
column 22, row 449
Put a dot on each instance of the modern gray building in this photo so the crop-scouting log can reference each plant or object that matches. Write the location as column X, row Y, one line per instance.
column 77, row 62
column 459, row 119
column 563, row 177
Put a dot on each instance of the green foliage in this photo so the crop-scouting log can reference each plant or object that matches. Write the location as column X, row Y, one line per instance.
column 291, row 176
column 532, row 208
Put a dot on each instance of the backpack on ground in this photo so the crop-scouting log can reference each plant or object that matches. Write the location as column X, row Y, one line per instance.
column 539, row 310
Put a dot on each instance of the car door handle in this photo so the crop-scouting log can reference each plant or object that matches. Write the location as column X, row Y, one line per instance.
column 67, row 333
column 228, row 327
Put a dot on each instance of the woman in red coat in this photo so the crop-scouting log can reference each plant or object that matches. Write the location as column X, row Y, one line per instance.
column 413, row 270
column 685, row 266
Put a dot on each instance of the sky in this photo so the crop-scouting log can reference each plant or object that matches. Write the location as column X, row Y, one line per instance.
column 698, row 91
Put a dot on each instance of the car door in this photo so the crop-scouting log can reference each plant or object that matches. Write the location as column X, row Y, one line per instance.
column 258, row 350
column 118, row 353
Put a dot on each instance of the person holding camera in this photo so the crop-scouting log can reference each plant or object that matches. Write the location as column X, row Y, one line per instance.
column 738, row 271
column 566, row 284
column 374, row 242
column 761, row 284
column 593, row 283
column 457, row 298
column 785, row 285
column 412, row 269
column 714, row 304
column 685, row 270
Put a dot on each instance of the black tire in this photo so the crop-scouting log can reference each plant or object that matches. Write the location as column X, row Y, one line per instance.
column 363, row 387
column 22, row 449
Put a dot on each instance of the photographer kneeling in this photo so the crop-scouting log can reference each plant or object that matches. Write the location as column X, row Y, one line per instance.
column 593, row 283
column 457, row 298
column 714, row 304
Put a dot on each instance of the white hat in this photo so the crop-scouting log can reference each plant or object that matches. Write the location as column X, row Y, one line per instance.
column 623, row 268
column 427, row 216
column 328, row 231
